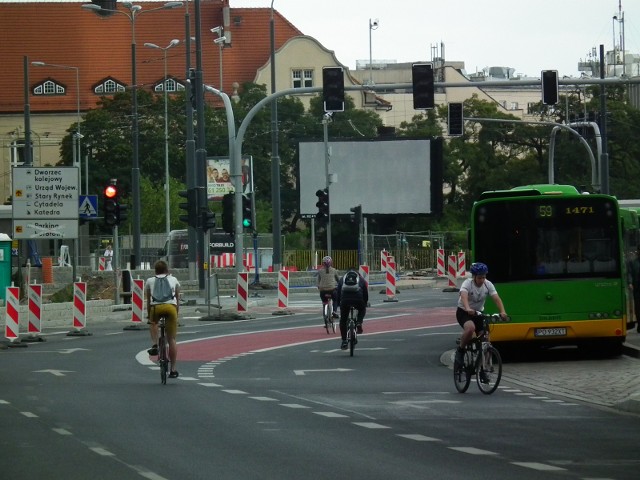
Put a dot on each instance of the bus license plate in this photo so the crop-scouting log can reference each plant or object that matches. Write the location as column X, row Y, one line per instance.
column 550, row 332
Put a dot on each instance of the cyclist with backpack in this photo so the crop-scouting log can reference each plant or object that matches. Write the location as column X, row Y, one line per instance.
column 162, row 293
column 473, row 293
column 327, row 283
column 352, row 292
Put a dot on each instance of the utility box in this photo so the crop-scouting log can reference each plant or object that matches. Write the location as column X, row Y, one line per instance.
column 5, row 264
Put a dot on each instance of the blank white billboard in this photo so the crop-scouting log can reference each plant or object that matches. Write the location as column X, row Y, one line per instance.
column 386, row 177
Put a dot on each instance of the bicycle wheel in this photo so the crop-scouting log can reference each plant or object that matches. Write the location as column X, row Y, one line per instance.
column 489, row 370
column 163, row 359
column 352, row 338
column 326, row 314
column 462, row 374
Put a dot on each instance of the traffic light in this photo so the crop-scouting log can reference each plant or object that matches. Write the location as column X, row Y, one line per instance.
column 423, row 86
column 190, row 217
column 333, row 89
column 121, row 213
column 357, row 215
column 207, row 219
column 550, row 94
column 456, row 119
column 323, row 205
column 246, row 212
column 110, row 204
column 227, row 213
column 192, row 90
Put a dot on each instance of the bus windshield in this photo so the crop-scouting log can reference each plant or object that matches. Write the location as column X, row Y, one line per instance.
column 547, row 237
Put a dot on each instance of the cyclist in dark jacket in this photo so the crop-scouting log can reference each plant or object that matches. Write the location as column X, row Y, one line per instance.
column 352, row 292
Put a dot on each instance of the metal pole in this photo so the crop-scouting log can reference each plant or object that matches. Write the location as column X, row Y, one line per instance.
column 325, row 127
column 604, row 158
column 28, row 158
column 135, row 168
column 166, row 149
column 275, row 158
column 190, row 148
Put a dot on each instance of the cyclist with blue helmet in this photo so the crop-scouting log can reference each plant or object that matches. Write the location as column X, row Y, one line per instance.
column 473, row 293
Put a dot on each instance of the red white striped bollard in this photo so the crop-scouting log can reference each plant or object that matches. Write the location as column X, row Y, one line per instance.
column 102, row 262
column 391, row 281
column 462, row 269
column 283, row 289
column 364, row 273
column 384, row 259
column 452, row 270
column 12, row 315
column 137, row 305
column 440, row 267
column 34, row 308
column 79, row 309
column 242, row 291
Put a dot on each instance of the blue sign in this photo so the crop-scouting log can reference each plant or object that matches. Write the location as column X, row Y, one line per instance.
column 88, row 206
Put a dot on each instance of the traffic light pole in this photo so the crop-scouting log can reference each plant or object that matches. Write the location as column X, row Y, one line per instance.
column 327, row 158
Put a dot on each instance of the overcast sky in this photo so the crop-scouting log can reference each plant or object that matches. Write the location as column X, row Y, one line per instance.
column 526, row 35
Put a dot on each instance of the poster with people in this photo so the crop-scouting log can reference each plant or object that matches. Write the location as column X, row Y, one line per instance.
column 219, row 177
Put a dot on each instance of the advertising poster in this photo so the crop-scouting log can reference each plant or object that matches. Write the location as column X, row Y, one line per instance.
column 219, row 177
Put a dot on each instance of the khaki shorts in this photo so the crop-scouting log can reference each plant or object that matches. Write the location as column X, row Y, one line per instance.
column 171, row 312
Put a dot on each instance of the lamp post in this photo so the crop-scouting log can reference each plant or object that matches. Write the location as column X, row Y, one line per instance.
column 373, row 24
column 220, row 42
column 134, row 12
column 167, row 208
column 77, row 136
column 275, row 156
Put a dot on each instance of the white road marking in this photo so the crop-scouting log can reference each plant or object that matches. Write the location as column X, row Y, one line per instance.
column 331, row 414
column 419, row 438
column 371, row 425
column 539, row 466
column 473, row 451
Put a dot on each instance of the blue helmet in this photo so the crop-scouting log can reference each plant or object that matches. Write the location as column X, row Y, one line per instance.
column 327, row 261
column 479, row 269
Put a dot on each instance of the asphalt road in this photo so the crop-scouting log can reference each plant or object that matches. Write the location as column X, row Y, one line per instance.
column 274, row 397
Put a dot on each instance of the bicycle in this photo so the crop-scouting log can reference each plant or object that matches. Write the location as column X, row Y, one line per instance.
column 163, row 349
column 327, row 311
column 480, row 359
column 352, row 334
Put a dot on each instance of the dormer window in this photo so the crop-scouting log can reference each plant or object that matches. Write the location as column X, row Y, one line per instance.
column 49, row 87
column 172, row 86
column 108, row 86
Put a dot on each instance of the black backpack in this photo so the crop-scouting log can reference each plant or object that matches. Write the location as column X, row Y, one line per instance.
column 351, row 282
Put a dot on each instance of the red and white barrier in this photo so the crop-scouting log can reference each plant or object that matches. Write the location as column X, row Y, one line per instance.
column 452, row 270
column 137, row 301
column 364, row 273
column 34, row 325
column 227, row 260
column 79, row 305
column 283, row 289
column 242, row 291
column 391, row 281
column 440, row 267
column 102, row 262
column 12, row 316
column 462, row 269
column 384, row 259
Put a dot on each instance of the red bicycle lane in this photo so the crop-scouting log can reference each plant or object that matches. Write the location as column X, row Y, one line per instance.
column 216, row 348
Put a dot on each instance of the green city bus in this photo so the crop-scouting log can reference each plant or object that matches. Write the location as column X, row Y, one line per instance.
column 557, row 258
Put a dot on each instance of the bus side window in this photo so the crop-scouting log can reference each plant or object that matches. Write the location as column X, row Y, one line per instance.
column 163, row 251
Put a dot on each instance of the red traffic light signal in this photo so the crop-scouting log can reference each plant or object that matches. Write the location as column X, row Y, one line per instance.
column 110, row 191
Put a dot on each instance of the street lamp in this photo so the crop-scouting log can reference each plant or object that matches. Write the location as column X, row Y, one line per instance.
column 172, row 44
column 373, row 25
column 220, row 42
column 77, row 136
column 134, row 12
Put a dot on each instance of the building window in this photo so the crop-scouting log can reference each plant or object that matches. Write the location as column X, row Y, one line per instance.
column 302, row 78
column 172, row 86
column 49, row 87
column 514, row 105
column 108, row 87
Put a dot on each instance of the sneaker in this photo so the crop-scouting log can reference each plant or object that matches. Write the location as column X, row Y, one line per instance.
column 344, row 345
column 483, row 377
column 335, row 315
column 174, row 374
column 459, row 361
column 359, row 328
column 153, row 350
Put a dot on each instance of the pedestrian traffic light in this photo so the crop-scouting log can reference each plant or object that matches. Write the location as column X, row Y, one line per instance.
column 550, row 94
column 323, row 205
column 333, row 89
column 190, row 217
column 247, row 221
column 423, row 86
column 110, row 204
column 456, row 119
column 207, row 219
